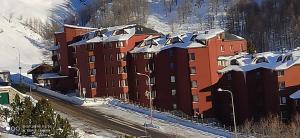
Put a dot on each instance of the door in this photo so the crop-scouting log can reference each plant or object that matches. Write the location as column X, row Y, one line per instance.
column 4, row 98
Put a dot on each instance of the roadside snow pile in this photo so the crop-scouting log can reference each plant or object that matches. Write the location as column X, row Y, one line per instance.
column 173, row 119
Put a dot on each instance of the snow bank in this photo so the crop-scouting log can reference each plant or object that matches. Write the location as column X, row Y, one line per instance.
column 172, row 119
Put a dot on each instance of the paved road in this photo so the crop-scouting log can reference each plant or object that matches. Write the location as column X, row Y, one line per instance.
column 99, row 120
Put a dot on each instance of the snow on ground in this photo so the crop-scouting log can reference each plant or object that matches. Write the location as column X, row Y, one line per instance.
column 85, row 130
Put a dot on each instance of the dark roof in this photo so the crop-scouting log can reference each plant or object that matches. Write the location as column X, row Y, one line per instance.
column 229, row 36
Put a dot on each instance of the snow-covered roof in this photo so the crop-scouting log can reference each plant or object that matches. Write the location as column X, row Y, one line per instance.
column 156, row 44
column 79, row 27
column 205, row 35
column 50, row 76
column 53, row 48
column 295, row 95
column 35, row 66
column 269, row 60
column 107, row 35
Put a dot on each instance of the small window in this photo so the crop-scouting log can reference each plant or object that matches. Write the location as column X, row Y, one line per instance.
column 281, row 85
column 173, row 92
column 104, row 58
column 110, row 45
column 122, row 70
column 152, row 80
column 92, row 72
column 92, row 59
column 137, row 82
column 147, row 67
column 123, row 83
column 193, row 70
column 121, row 57
column 106, row 84
column 171, row 53
column 222, row 48
column 174, row 106
column 231, row 48
column 91, row 47
column 120, row 44
column 93, row 85
column 112, row 70
column 280, row 73
column 192, row 56
column 173, row 79
column 134, row 56
column 172, row 65
column 112, row 83
column 229, row 77
column 195, row 98
column 135, row 68
column 148, row 55
column 282, row 100
column 111, row 57
column 194, row 84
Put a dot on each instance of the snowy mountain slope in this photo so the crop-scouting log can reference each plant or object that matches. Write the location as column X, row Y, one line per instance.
column 197, row 19
column 13, row 32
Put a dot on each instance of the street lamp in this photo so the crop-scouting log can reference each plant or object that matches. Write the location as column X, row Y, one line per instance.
column 78, row 74
column 20, row 68
column 233, row 111
column 150, row 96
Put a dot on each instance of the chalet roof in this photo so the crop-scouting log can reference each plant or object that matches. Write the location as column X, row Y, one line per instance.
column 36, row 66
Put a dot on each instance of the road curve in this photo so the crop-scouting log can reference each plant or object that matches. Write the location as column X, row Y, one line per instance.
column 100, row 120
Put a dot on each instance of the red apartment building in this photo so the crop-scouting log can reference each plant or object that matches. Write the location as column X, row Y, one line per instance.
column 261, row 85
column 100, row 56
column 182, row 68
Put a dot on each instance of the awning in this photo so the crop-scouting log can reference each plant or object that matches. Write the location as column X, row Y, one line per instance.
column 46, row 76
column 295, row 95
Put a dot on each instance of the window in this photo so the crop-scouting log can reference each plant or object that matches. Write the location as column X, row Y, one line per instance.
column 223, row 63
column 91, row 47
column 147, row 68
column 172, row 66
column 281, row 85
column 173, row 79
column 106, row 70
column 137, row 82
column 229, row 77
column 110, row 45
column 104, row 58
column 111, row 57
column 222, row 48
column 120, row 44
column 123, row 83
column 153, row 94
column 171, row 53
column 148, row 55
column 93, row 85
column 174, row 106
column 92, row 59
column 231, row 48
column 135, row 68
column 282, row 101
column 194, row 84
column 112, row 83
column 193, row 70
column 106, row 84
column 173, row 92
column 195, row 98
column 280, row 73
column 191, row 56
column 134, row 56
column 152, row 80
column 121, row 56
column 92, row 72
column 122, row 70
column 112, row 70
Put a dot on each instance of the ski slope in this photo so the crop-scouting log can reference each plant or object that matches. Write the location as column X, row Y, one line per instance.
column 16, row 38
